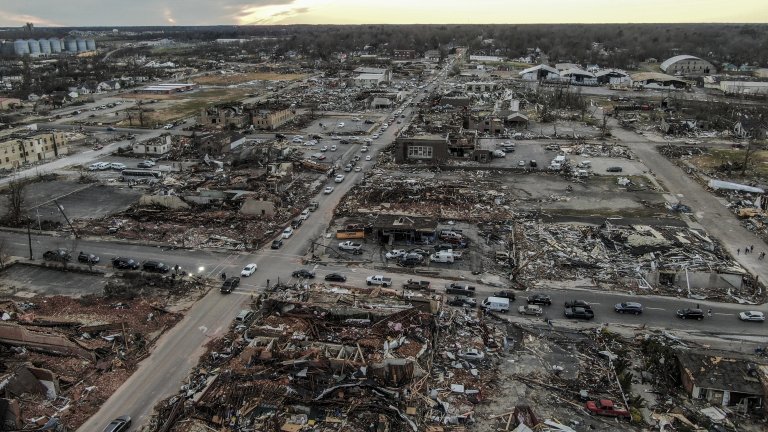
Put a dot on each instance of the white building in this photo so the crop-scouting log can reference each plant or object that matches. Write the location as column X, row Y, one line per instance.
column 156, row 146
column 538, row 72
column 744, row 87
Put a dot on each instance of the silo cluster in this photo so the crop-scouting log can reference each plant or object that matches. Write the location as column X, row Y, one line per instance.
column 37, row 47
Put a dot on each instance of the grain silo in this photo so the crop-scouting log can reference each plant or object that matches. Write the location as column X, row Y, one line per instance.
column 81, row 47
column 55, row 45
column 45, row 46
column 6, row 49
column 70, row 45
column 34, row 47
column 20, row 47
column 90, row 44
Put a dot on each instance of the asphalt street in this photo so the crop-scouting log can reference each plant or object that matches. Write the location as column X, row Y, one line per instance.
column 178, row 350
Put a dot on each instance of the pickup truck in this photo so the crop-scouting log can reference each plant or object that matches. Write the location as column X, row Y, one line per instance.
column 229, row 285
column 350, row 246
column 606, row 407
column 378, row 280
column 417, row 285
column 461, row 289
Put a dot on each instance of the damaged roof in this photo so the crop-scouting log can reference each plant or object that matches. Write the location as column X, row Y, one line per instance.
column 721, row 373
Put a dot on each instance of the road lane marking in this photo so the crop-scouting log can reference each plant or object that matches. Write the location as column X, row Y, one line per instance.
column 654, row 308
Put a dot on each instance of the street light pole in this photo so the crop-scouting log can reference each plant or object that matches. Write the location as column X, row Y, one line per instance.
column 29, row 238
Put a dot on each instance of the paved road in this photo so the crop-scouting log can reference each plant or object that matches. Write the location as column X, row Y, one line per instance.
column 709, row 210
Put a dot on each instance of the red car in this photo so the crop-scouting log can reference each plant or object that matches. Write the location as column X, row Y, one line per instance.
column 606, row 407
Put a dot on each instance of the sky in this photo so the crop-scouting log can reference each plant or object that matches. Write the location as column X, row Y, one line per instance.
column 242, row 12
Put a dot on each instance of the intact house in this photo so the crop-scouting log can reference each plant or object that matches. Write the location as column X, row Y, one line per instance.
column 156, row 146
column 19, row 150
column 724, row 379
column 107, row 86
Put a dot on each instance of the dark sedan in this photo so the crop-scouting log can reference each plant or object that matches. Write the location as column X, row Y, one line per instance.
column 335, row 277
column 629, row 307
column 539, row 299
column 155, row 267
column 124, row 263
column 303, row 274
column 119, row 424
column 88, row 258
column 579, row 313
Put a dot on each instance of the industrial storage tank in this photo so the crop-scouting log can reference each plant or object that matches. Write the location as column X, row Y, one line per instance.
column 55, row 45
column 81, row 45
column 90, row 44
column 20, row 47
column 71, row 45
column 34, row 46
column 45, row 46
column 6, row 49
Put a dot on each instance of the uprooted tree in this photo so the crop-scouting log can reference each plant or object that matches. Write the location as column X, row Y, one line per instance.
column 15, row 197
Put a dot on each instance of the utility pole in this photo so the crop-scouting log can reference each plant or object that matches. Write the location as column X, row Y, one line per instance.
column 61, row 209
column 29, row 238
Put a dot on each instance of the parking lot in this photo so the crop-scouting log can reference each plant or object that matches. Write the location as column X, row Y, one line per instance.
column 21, row 278
column 331, row 125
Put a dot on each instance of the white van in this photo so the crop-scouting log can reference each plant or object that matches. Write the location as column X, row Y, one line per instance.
column 496, row 304
column 444, row 256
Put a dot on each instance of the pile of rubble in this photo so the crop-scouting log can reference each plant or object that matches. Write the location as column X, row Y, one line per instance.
column 62, row 357
column 598, row 150
column 659, row 258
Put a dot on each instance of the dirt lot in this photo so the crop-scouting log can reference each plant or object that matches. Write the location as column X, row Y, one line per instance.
column 238, row 78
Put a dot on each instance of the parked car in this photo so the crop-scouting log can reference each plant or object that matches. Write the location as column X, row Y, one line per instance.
column 119, row 424
column 530, row 310
column 277, row 244
column 296, row 223
column 629, row 307
column 117, row 166
column 335, row 277
column 462, row 302
column 614, row 169
column 87, row 258
column 155, row 267
column 347, row 168
column 421, row 252
column 350, row 246
column 287, row 232
column 579, row 313
column 395, row 253
column 443, row 246
column 472, row 354
column 539, row 299
column 244, row 316
column 303, row 274
column 248, row 270
column 507, row 294
column 143, row 165
column 328, row 190
column 60, row 255
column 229, row 285
column 123, row 263
column 605, row 407
column 752, row 316
column 410, row 259
column 578, row 303
column 358, row 169
column 339, row 178
column 690, row 313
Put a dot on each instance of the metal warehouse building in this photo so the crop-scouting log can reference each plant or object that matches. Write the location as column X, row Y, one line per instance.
column 687, row 65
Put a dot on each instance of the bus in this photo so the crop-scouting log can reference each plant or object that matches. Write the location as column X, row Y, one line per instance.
column 141, row 175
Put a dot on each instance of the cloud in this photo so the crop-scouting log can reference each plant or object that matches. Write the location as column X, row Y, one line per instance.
column 272, row 13
column 12, row 19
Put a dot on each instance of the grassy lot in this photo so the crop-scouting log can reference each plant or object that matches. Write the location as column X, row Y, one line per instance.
column 183, row 105
column 237, row 78
column 717, row 157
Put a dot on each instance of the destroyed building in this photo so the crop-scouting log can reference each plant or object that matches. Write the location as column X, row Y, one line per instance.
column 725, row 380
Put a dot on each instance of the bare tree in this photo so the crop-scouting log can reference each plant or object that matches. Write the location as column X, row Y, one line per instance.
column 3, row 253
column 15, row 196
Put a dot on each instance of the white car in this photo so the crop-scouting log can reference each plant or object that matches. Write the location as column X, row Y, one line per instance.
column 95, row 166
column 339, row 178
column 368, row 157
column 375, row 136
column 248, row 270
column 333, row 147
column 117, row 166
column 324, row 148
column 521, row 163
column 395, row 253
column 358, row 169
column 297, row 140
column 149, row 162
column 287, row 233
column 368, row 141
column 328, row 190
column 752, row 316
column 364, row 149
column 341, row 124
